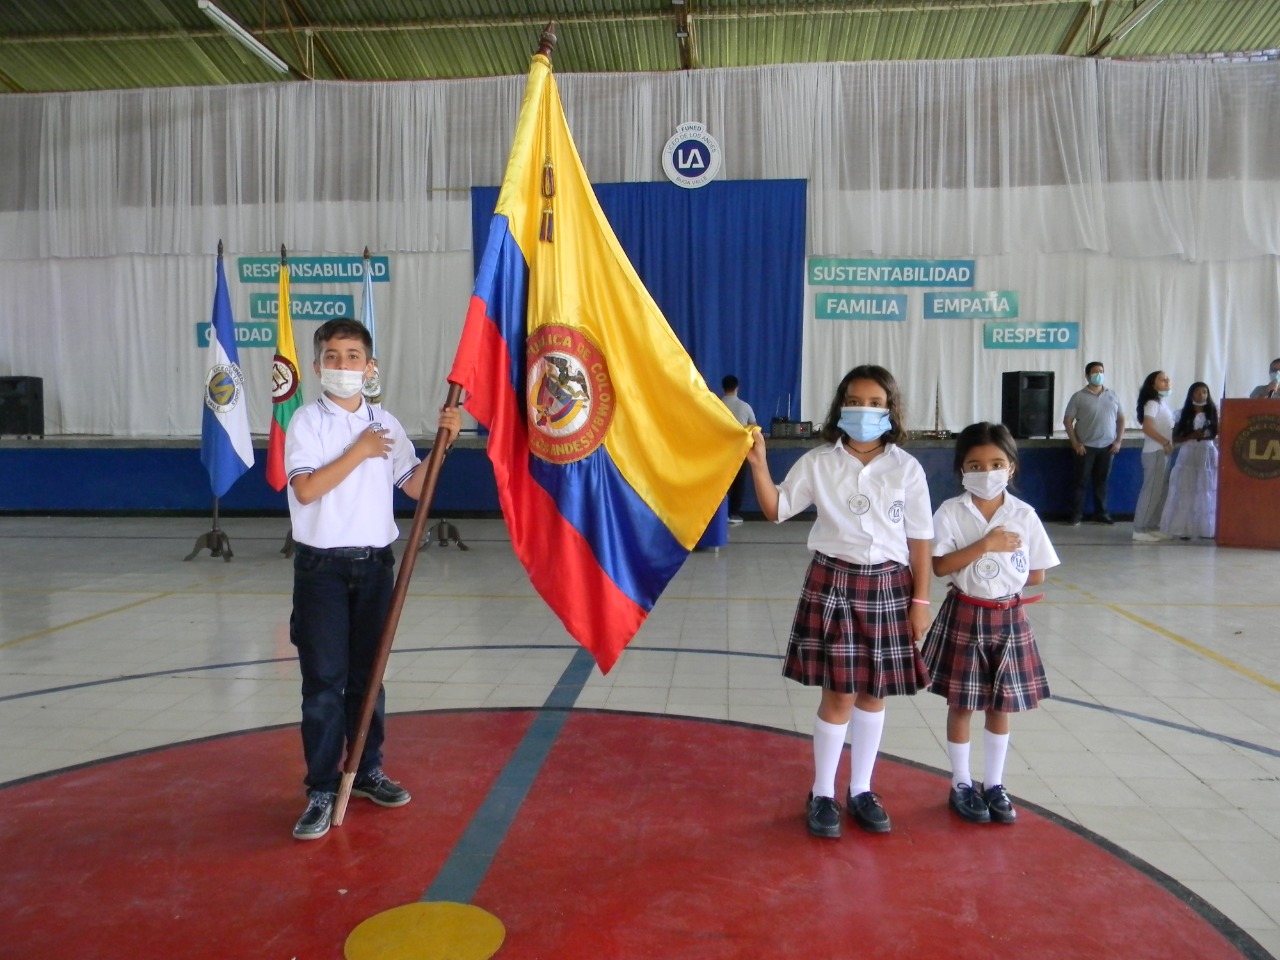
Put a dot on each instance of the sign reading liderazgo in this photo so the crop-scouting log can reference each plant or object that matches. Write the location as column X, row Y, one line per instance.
column 303, row 306
column 860, row 306
column 839, row 272
column 314, row 269
column 997, row 335
column 975, row 305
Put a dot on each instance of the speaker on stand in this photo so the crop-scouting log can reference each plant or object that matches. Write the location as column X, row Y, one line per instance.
column 22, row 406
column 1026, row 403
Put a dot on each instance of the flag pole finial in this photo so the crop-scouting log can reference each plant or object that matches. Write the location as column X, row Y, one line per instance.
column 547, row 42
column 284, row 257
column 219, row 249
column 366, row 253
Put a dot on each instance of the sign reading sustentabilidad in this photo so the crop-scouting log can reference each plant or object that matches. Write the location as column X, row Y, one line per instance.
column 314, row 269
column 860, row 306
column 842, row 272
column 999, row 335
column 972, row 305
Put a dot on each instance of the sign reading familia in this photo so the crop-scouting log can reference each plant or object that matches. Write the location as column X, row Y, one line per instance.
column 840, row 272
column 691, row 157
column 314, row 269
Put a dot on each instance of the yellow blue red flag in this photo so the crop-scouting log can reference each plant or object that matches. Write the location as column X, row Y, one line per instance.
column 611, row 455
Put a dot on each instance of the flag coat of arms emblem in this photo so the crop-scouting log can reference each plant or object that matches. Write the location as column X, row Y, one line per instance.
column 226, row 446
column 610, row 453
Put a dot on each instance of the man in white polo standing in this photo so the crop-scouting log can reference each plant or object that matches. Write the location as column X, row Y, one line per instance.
column 1095, row 427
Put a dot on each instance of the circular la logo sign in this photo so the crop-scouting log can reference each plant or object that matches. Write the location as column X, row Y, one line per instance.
column 1256, row 451
column 570, row 394
column 691, row 157
column 223, row 387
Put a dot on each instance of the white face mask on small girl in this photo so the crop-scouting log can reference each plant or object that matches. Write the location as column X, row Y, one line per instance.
column 986, row 485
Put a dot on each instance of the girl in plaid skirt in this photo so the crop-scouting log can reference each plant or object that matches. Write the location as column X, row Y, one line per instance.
column 865, row 599
column 980, row 650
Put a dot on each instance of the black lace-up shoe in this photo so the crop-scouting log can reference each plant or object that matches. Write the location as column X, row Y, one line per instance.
column 868, row 813
column 967, row 802
column 314, row 822
column 381, row 789
column 824, row 816
column 999, row 805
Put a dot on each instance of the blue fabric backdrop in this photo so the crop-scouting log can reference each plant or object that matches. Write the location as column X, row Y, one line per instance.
column 725, row 263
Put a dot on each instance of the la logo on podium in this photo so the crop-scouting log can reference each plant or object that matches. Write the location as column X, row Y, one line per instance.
column 1256, row 450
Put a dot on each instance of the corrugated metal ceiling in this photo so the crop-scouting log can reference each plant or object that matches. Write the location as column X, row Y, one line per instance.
column 50, row 45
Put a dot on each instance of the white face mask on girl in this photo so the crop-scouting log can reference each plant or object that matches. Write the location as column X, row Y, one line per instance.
column 987, row 485
column 343, row 384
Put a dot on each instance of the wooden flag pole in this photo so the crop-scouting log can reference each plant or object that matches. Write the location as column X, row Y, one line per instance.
column 356, row 747
column 546, row 44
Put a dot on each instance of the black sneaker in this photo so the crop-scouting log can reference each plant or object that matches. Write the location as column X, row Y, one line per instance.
column 824, row 816
column 999, row 805
column 868, row 813
column 314, row 822
column 1107, row 519
column 967, row 802
column 381, row 789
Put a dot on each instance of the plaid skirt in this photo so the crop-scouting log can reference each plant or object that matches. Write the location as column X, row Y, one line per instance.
column 850, row 632
column 984, row 659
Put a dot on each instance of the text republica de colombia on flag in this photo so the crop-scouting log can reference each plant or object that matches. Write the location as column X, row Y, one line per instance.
column 610, row 453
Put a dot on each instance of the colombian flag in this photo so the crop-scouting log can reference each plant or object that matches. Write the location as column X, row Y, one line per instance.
column 286, row 383
column 610, row 453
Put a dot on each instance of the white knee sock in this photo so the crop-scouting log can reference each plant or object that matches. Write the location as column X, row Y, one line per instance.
column 958, row 753
column 828, row 744
column 864, row 744
column 994, row 748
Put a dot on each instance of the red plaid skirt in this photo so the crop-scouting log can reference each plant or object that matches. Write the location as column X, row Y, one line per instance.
column 850, row 632
column 984, row 659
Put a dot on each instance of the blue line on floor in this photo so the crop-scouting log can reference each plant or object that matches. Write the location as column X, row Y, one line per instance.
column 1181, row 727
column 463, row 872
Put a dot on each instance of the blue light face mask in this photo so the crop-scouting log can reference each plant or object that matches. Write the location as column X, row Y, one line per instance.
column 864, row 424
column 1164, row 394
column 1096, row 379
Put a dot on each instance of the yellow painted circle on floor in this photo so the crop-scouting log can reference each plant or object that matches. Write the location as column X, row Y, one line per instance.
column 427, row 931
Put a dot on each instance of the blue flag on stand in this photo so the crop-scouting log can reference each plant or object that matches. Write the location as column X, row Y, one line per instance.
column 372, row 388
column 226, row 448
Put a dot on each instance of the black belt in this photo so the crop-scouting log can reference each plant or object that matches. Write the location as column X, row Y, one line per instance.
column 342, row 553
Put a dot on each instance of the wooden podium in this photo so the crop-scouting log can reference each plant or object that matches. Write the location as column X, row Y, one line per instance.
column 1249, row 474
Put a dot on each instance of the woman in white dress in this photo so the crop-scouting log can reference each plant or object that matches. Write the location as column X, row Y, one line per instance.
column 1192, row 501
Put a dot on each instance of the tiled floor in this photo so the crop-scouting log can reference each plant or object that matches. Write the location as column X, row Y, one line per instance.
column 1162, row 735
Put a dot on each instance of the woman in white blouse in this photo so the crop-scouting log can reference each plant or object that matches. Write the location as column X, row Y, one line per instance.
column 1157, row 444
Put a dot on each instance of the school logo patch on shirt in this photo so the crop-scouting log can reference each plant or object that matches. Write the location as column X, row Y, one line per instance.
column 1019, row 561
column 859, row 504
column 987, row 568
column 896, row 511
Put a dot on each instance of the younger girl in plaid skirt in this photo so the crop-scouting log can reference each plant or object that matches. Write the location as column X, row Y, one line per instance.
column 865, row 599
column 980, row 650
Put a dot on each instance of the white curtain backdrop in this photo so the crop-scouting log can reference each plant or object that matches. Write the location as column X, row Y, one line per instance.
column 1140, row 200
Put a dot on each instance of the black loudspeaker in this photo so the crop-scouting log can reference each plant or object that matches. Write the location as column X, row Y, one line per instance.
column 22, row 406
column 1026, row 403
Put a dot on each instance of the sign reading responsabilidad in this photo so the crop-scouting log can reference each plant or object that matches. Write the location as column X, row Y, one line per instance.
column 840, row 272
column 1001, row 335
column 314, row 269
column 860, row 306
column 975, row 305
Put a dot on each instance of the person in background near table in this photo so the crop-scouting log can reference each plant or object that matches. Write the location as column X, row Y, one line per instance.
column 1095, row 426
column 1191, row 508
column 1271, row 389
column 747, row 417
column 980, row 649
column 1157, row 444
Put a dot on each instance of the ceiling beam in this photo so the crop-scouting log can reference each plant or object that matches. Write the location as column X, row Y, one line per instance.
column 1128, row 23
column 1077, row 24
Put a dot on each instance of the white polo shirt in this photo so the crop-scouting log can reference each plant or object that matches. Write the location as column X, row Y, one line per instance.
column 865, row 512
column 357, row 512
column 993, row 575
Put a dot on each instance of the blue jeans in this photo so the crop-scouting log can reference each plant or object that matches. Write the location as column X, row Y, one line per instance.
column 340, row 602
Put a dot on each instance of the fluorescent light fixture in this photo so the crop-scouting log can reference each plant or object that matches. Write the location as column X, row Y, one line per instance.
column 242, row 36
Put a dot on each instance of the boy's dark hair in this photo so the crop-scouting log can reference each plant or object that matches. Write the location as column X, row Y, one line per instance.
column 981, row 434
column 831, row 431
column 342, row 328
column 730, row 382
column 1187, row 418
column 1148, row 393
column 1091, row 364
